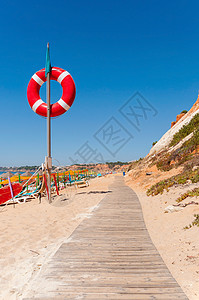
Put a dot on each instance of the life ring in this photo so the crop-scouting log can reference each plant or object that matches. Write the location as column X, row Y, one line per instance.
column 63, row 104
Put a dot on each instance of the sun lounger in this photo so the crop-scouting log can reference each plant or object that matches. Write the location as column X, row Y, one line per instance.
column 23, row 196
column 81, row 183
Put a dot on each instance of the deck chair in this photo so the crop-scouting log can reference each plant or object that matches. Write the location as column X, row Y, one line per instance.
column 81, row 182
column 23, row 196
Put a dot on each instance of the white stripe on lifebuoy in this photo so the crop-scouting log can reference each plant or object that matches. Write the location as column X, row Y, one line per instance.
column 36, row 105
column 62, row 76
column 63, row 104
column 37, row 79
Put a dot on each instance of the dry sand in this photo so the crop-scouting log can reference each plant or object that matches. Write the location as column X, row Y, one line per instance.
column 178, row 247
column 32, row 232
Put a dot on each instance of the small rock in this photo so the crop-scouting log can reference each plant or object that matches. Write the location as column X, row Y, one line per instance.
column 171, row 208
column 195, row 168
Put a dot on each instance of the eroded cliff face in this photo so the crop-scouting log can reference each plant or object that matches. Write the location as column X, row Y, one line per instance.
column 177, row 119
column 181, row 120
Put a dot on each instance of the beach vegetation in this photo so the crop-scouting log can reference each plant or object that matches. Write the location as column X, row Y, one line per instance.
column 31, row 168
column 183, row 178
column 117, row 163
column 153, row 144
column 185, row 130
column 181, row 155
column 194, row 223
column 190, row 193
column 135, row 163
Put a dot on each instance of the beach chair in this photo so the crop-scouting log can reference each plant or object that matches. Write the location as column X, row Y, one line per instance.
column 81, row 183
column 23, row 196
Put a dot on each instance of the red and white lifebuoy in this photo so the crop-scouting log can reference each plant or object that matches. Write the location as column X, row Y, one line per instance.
column 63, row 104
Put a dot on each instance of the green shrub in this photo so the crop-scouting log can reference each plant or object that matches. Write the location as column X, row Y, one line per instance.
column 185, row 130
column 190, row 193
column 184, row 111
column 179, row 179
column 180, row 155
column 194, row 223
column 154, row 143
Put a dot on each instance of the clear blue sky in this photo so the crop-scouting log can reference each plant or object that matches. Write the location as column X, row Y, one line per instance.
column 112, row 49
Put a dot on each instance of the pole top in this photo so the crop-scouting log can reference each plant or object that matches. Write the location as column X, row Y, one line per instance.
column 48, row 45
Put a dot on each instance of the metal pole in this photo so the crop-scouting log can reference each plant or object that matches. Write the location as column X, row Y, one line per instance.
column 49, row 159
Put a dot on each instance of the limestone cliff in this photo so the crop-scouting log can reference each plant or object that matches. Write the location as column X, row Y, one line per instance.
column 165, row 140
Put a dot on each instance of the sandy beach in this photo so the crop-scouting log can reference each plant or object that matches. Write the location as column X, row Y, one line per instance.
column 178, row 247
column 32, row 232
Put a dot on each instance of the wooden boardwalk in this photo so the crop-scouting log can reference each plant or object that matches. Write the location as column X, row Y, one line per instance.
column 109, row 256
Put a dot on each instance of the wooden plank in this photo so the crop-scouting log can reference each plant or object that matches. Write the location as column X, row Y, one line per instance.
column 112, row 296
column 109, row 256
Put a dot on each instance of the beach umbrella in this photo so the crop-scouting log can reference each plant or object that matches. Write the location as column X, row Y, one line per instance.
column 64, row 178
column 37, row 181
column 19, row 175
column 27, row 173
column 69, row 177
column 58, row 179
column 6, row 175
